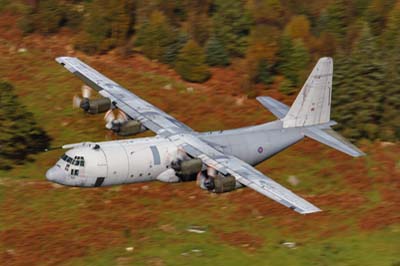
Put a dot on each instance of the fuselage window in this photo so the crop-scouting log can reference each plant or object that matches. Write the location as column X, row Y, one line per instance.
column 74, row 172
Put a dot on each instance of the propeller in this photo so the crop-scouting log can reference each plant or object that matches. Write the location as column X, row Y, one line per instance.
column 78, row 102
column 200, row 179
column 113, row 121
column 206, row 179
column 86, row 91
column 211, row 172
column 181, row 154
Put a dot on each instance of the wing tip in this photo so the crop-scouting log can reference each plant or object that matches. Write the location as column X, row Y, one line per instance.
column 62, row 59
column 309, row 211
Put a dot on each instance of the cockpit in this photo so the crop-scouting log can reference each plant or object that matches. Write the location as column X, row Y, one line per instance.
column 80, row 166
column 68, row 166
column 78, row 160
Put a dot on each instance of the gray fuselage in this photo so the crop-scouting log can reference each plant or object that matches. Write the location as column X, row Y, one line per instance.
column 147, row 159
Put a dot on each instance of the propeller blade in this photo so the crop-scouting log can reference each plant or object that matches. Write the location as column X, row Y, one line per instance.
column 121, row 117
column 181, row 155
column 199, row 178
column 109, row 117
column 86, row 91
column 211, row 172
column 76, row 101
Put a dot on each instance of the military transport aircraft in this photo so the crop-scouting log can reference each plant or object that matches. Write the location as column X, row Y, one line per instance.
column 220, row 161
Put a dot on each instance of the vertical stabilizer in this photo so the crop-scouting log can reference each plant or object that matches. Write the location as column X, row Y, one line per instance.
column 313, row 104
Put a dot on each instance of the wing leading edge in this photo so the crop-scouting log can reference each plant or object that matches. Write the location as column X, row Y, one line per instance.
column 150, row 116
column 183, row 136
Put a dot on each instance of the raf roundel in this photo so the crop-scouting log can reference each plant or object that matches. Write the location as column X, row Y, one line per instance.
column 260, row 149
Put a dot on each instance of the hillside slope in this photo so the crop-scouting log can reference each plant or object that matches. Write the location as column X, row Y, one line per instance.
column 45, row 224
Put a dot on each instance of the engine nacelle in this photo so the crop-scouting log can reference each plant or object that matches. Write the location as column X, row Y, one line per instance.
column 187, row 170
column 220, row 183
column 95, row 106
column 127, row 128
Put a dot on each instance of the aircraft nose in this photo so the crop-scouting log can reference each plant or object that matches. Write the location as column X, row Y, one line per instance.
column 54, row 174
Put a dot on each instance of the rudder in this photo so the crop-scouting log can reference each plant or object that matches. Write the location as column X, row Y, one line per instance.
column 313, row 104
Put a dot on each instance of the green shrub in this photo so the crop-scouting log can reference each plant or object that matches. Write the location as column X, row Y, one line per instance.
column 215, row 53
column 19, row 135
column 191, row 64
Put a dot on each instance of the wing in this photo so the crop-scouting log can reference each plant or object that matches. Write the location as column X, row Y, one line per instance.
column 183, row 136
column 149, row 115
column 243, row 172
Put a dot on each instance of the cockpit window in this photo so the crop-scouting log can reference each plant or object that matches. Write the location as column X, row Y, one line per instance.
column 75, row 172
column 78, row 160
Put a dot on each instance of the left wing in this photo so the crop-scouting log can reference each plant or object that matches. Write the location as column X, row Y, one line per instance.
column 243, row 172
column 183, row 136
column 150, row 116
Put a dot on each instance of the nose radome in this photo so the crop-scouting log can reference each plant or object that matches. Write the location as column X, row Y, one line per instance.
column 54, row 174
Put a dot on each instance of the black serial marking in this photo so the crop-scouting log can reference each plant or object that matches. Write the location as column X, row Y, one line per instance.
column 99, row 181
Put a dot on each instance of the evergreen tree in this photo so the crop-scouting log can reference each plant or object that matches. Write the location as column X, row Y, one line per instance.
column 191, row 64
column 263, row 72
column 19, row 135
column 174, row 47
column 343, row 97
column 334, row 19
column 199, row 26
column 260, row 58
column 286, row 87
column 107, row 24
column 155, row 36
column 232, row 25
column 293, row 59
column 358, row 88
column 215, row 53
column 48, row 16
column 298, row 28
column 267, row 12
column 376, row 15
column 390, row 120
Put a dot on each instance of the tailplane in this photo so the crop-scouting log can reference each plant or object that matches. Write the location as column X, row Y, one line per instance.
column 312, row 109
column 313, row 104
column 326, row 135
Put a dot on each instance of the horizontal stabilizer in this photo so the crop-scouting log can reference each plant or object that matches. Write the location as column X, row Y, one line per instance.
column 334, row 140
column 277, row 108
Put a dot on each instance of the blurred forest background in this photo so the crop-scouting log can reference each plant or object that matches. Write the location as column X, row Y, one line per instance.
column 272, row 43
column 203, row 62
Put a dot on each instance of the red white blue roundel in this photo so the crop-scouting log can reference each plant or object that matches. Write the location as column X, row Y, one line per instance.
column 260, row 149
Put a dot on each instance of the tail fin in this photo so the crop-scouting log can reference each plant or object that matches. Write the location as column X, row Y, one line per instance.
column 312, row 109
column 313, row 104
